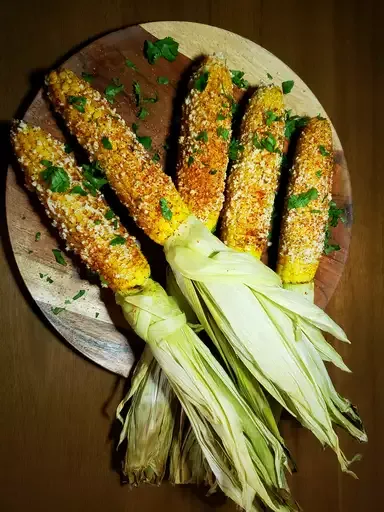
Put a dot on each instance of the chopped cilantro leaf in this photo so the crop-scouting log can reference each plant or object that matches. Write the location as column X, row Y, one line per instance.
column 46, row 163
column 113, row 89
column 335, row 214
column 234, row 148
column 268, row 143
column 130, row 64
column 318, row 174
column 115, row 224
column 94, row 177
column 202, row 136
column 79, row 294
column 292, row 123
column 118, row 240
column 162, row 80
column 56, row 178
column 78, row 102
column 59, row 257
column 37, row 236
column 42, row 275
column 106, row 143
column 167, row 48
column 270, row 117
column 221, row 117
column 190, row 160
column 238, row 80
column 88, row 77
column 137, row 92
column 103, row 281
column 135, row 127
column 328, row 248
column 201, row 81
column 315, row 211
column 57, row 310
column 287, row 86
column 223, row 132
column 323, row 151
column 213, row 172
column 146, row 141
column 269, row 76
column 320, row 118
column 67, row 148
column 78, row 190
column 154, row 99
column 97, row 222
column 156, row 157
column 142, row 114
column 166, row 212
column 303, row 199
column 109, row 214
column 49, row 280
column 97, row 315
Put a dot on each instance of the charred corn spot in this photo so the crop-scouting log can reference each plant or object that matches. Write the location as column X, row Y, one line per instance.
column 123, row 266
column 139, row 182
column 254, row 178
column 303, row 228
column 204, row 140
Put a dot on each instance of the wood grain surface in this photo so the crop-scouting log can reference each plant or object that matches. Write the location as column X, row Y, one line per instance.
column 56, row 407
column 94, row 324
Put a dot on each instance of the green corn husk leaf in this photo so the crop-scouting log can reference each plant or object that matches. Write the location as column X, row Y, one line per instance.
column 187, row 463
column 243, row 454
column 261, row 322
column 149, row 423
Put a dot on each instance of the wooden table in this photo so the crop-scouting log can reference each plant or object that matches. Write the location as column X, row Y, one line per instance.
column 56, row 407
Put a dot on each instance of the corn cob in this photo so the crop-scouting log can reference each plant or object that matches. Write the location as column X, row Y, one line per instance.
column 140, row 183
column 306, row 210
column 253, row 181
column 204, row 140
column 80, row 220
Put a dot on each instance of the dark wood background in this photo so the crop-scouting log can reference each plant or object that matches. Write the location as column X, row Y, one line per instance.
column 56, row 408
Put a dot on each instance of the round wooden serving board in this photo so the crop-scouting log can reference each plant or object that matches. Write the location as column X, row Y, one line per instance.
column 93, row 324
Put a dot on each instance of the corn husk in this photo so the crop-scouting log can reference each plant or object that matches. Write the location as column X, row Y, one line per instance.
column 245, row 457
column 263, row 324
column 148, row 424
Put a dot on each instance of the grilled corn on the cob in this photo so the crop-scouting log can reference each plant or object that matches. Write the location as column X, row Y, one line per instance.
column 81, row 221
column 204, row 140
column 306, row 209
column 253, row 181
column 140, row 183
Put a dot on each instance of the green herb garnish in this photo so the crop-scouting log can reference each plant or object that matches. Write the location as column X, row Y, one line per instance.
column 88, row 77
column 268, row 143
column 201, row 81
column 303, row 199
column 167, row 48
column 67, row 148
column 103, row 281
column 166, row 212
column 109, row 215
column 137, row 92
column 287, row 86
column 202, row 136
column 79, row 294
column 106, row 143
column 190, row 160
column 323, row 151
column 146, row 141
column 135, row 127
column 238, row 80
column 56, row 177
column 49, row 280
column 78, row 102
column 113, row 89
column 156, row 157
column 213, row 172
column 223, row 132
column 57, row 310
column 78, row 190
column 234, row 148
column 37, row 236
column 292, row 123
column 162, row 80
column 221, row 117
column 59, row 257
column 97, row 222
column 318, row 174
column 118, row 240
column 269, row 76
column 94, row 177
column 270, row 117
column 130, row 64
column 315, row 211
column 142, row 114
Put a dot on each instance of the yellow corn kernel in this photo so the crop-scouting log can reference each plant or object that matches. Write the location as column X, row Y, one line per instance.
column 204, row 140
column 253, row 182
column 140, row 183
column 80, row 219
column 303, row 227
